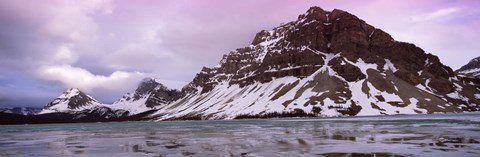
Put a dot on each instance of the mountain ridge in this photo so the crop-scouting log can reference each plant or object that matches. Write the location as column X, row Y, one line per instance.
column 472, row 68
column 21, row 110
column 325, row 63
column 364, row 66
column 149, row 94
column 71, row 99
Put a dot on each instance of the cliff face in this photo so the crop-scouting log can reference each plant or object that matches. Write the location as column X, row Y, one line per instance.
column 326, row 63
column 299, row 48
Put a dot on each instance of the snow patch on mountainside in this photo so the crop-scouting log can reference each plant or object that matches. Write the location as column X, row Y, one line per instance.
column 228, row 101
column 129, row 104
column 475, row 72
column 389, row 66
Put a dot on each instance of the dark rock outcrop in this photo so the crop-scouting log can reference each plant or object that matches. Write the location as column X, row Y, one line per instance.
column 149, row 95
column 472, row 68
column 157, row 93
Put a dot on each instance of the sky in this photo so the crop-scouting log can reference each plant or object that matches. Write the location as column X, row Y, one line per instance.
column 106, row 47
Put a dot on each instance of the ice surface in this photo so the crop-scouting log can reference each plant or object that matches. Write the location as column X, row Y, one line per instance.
column 403, row 135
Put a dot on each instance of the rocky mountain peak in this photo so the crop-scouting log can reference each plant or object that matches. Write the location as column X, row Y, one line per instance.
column 71, row 99
column 149, row 94
column 318, row 14
column 301, row 47
column 477, row 60
column 472, row 68
column 314, row 14
column 147, row 86
column 71, row 92
column 326, row 63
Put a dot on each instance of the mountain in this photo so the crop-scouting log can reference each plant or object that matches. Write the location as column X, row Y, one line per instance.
column 77, row 106
column 71, row 100
column 471, row 69
column 324, row 64
column 21, row 110
column 149, row 95
column 74, row 106
column 95, row 114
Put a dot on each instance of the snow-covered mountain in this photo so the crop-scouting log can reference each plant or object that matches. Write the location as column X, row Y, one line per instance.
column 21, row 110
column 327, row 64
column 149, row 95
column 472, row 68
column 71, row 100
column 75, row 106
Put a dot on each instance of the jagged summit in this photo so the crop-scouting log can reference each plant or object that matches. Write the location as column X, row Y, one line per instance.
column 299, row 48
column 147, row 86
column 328, row 63
column 149, row 94
column 472, row 68
column 318, row 14
column 70, row 93
column 71, row 100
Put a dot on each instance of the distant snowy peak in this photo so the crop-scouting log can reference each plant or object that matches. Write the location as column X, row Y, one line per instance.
column 472, row 68
column 149, row 94
column 21, row 110
column 147, row 87
column 71, row 100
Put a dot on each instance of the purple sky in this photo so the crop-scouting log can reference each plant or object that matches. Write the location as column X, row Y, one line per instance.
column 106, row 47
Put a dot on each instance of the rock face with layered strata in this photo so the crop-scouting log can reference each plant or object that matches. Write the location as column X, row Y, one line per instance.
column 328, row 63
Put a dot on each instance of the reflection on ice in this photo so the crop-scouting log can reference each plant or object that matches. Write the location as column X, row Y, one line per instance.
column 424, row 135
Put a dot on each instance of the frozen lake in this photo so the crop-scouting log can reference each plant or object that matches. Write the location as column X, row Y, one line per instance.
column 403, row 135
